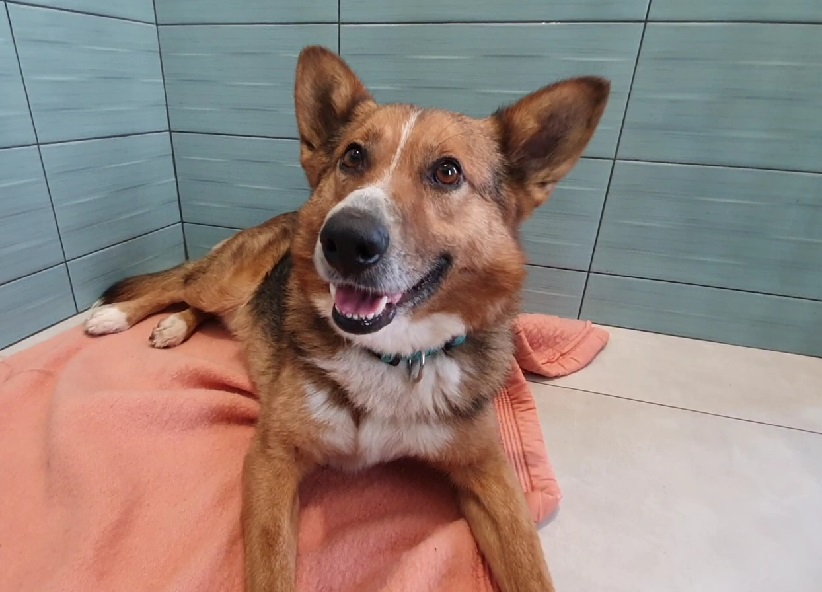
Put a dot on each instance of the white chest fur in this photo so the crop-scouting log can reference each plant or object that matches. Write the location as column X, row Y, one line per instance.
column 401, row 417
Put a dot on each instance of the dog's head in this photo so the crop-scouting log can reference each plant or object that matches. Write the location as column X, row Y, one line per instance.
column 410, row 236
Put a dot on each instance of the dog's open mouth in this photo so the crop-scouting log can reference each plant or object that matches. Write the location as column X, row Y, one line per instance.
column 360, row 310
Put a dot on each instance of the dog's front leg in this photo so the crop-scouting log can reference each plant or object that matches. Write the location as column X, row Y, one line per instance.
column 493, row 503
column 271, row 478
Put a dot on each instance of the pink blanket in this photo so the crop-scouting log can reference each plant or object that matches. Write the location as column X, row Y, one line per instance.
column 120, row 470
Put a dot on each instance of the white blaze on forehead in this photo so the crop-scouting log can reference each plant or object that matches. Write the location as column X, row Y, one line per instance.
column 407, row 128
column 376, row 196
column 376, row 199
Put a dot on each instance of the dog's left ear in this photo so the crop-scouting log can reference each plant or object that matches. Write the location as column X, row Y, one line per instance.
column 327, row 97
column 543, row 135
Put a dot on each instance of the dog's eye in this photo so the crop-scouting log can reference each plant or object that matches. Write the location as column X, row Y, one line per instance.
column 354, row 158
column 447, row 172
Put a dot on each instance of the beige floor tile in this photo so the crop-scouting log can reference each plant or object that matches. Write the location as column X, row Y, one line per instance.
column 665, row 500
column 758, row 385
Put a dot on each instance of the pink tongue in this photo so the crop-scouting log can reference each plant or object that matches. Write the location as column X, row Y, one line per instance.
column 351, row 301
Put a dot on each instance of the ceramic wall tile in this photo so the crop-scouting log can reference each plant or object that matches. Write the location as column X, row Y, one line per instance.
column 236, row 79
column 28, row 235
column 237, row 182
column 110, row 190
column 728, row 94
column 89, row 76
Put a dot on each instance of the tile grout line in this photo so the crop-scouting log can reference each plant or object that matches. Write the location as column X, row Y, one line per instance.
column 40, row 155
column 712, row 340
column 584, row 157
column 170, row 138
column 614, row 161
column 131, row 238
column 714, row 166
column 65, row 262
column 675, row 282
column 82, row 12
column 230, row 135
column 542, row 381
column 636, row 21
column 602, row 212
column 213, row 226
column 92, row 139
column 28, row 275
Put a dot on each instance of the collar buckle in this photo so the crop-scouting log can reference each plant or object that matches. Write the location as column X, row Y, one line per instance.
column 415, row 365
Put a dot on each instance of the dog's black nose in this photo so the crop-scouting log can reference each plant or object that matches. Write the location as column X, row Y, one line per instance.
column 353, row 240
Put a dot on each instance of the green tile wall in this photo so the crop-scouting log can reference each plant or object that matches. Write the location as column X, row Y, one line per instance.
column 696, row 211
column 427, row 11
column 737, row 10
column 236, row 79
column 88, row 76
column 237, row 182
column 88, row 192
column 562, row 233
column 730, row 316
column 743, row 229
column 732, row 94
column 475, row 68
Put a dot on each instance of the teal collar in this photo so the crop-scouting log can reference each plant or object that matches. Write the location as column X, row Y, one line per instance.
column 416, row 361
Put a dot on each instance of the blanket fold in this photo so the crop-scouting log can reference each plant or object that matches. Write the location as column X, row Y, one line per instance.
column 120, row 470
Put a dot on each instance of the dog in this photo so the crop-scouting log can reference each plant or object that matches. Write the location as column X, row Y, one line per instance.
column 377, row 320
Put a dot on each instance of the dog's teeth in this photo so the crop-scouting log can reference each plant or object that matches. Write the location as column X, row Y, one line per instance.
column 379, row 309
column 381, row 305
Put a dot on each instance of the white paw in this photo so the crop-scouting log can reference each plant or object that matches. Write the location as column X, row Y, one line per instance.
column 106, row 319
column 169, row 332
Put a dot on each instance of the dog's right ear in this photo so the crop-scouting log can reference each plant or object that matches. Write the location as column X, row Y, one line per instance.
column 327, row 96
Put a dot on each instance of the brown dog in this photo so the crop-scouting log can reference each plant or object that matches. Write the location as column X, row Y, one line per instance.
column 377, row 320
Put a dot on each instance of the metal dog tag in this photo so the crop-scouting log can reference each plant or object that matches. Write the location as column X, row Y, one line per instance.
column 416, row 365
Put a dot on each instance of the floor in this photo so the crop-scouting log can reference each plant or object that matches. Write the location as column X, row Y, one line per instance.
column 685, row 466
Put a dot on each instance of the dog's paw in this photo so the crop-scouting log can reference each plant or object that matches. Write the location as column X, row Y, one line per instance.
column 106, row 319
column 169, row 332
